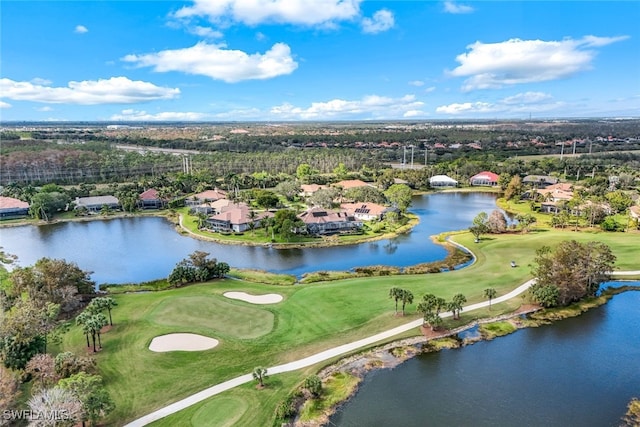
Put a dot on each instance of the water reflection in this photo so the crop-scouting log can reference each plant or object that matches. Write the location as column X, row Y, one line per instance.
column 577, row 372
column 139, row 249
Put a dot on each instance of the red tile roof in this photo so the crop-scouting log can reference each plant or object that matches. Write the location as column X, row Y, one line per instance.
column 351, row 183
column 211, row 195
column 11, row 203
column 150, row 194
column 490, row 176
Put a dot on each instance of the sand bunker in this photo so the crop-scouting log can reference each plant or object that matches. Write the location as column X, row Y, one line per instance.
column 254, row 299
column 182, row 342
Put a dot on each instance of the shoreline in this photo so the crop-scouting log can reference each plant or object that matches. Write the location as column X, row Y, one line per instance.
column 392, row 354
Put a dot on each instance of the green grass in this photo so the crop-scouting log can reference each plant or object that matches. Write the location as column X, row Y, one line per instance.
column 496, row 329
column 265, row 277
column 310, row 319
column 241, row 406
column 336, row 389
column 222, row 318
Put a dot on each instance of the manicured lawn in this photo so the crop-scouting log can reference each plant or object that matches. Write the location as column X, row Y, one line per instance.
column 311, row 318
column 222, row 318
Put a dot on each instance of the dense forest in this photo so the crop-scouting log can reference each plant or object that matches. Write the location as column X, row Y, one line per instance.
column 94, row 153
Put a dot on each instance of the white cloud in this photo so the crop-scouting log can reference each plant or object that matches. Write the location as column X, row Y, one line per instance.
column 44, row 109
column 527, row 98
column 476, row 107
column 372, row 106
column 254, row 12
column 414, row 113
column 166, row 116
column 116, row 90
column 221, row 64
column 4, row 105
column 416, row 83
column 515, row 61
column 526, row 102
column 81, row 29
column 381, row 21
column 205, row 32
column 453, row 7
column 40, row 81
column 430, row 89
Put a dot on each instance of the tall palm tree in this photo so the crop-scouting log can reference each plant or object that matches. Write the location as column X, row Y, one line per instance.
column 490, row 293
column 456, row 304
column 396, row 294
column 407, row 298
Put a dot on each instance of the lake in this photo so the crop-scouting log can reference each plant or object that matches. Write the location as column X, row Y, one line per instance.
column 125, row 250
column 577, row 372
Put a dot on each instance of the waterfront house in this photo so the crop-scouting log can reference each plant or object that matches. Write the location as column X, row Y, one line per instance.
column 442, row 181
column 96, row 203
column 365, row 211
column 320, row 221
column 11, row 208
column 235, row 217
column 485, row 179
column 150, row 199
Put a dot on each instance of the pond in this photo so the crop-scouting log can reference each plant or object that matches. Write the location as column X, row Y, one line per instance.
column 124, row 250
column 578, row 372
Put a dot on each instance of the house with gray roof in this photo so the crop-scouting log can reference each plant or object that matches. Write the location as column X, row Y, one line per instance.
column 96, row 203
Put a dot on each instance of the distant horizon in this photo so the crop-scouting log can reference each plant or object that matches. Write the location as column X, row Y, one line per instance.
column 302, row 122
column 206, row 61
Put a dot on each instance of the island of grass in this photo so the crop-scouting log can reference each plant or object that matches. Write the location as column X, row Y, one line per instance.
column 310, row 319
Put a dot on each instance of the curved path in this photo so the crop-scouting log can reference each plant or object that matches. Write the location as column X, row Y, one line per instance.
column 322, row 356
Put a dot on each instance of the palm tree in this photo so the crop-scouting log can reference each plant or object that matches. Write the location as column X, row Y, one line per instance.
column 260, row 374
column 456, row 304
column 82, row 320
column 252, row 220
column 490, row 293
column 407, row 298
column 396, row 294
column 98, row 321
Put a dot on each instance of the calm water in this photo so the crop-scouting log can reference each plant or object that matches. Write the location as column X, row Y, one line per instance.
column 126, row 250
column 577, row 372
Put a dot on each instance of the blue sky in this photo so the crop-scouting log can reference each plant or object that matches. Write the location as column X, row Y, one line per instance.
column 300, row 60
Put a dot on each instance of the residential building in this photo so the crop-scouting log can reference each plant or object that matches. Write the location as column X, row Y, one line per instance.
column 235, row 217
column 350, row 183
column 11, row 208
column 442, row 181
column 206, row 197
column 485, row 179
column 308, row 189
column 365, row 211
column 320, row 221
column 539, row 181
column 150, row 199
column 96, row 203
